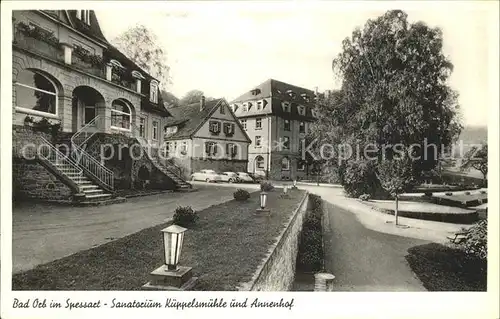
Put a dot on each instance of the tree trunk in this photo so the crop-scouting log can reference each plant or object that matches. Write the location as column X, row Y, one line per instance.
column 396, row 210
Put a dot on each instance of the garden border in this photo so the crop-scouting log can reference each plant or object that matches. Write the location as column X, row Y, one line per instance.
column 248, row 286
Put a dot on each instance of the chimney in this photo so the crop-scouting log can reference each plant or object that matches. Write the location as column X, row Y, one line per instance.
column 202, row 102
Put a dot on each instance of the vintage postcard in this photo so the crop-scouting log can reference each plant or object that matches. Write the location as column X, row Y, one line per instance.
column 321, row 158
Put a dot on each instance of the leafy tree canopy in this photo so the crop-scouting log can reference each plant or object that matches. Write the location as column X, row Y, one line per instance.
column 193, row 96
column 141, row 45
column 394, row 91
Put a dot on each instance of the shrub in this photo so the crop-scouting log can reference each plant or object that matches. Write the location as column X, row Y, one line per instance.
column 359, row 177
column 241, row 195
column 310, row 253
column 483, row 192
column 448, row 193
column 365, row 197
column 467, row 193
column 185, row 216
column 428, row 194
column 266, row 186
column 475, row 243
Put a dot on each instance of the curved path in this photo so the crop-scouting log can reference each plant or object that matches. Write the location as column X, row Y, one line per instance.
column 363, row 259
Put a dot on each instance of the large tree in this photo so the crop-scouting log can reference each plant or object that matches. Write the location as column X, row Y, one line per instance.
column 141, row 45
column 193, row 96
column 394, row 91
column 169, row 98
column 477, row 158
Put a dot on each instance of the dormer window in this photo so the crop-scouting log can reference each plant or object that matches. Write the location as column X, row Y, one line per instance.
column 286, row 107
column 245, row 107
column 116, row 64
column 137, row 75
column 259, row 105
column 153, row 91
column 83, row 15
column 305, row 97
column 291, row 93
column 302, row 110
column 255, row 91
column 249, row 106
column 235, row 107
column 170, row 130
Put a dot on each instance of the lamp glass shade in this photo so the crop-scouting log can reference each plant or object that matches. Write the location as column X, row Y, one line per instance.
column 263, row 200
column 172, row 240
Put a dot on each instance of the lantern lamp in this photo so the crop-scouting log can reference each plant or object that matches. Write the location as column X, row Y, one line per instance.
column 171, row 276
column 173, row 237
column 263, row 202
column 294, row 183
column 285, row 190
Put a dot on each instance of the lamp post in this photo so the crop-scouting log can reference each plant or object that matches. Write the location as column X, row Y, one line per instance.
column 263, row 202
column 170, row 275
column 172, row 244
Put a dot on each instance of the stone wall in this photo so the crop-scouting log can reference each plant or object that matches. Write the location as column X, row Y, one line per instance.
column 31, row 180
column 277, row 273
column 130, row 168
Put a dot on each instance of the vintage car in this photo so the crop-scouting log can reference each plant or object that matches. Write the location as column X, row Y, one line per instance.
column 230, row 177
column 207, row 175
column 245, row 178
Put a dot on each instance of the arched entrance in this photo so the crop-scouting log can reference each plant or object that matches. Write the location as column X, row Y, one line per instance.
column 86, row 102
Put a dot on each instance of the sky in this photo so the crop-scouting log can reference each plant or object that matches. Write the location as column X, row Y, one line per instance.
column 226, row 49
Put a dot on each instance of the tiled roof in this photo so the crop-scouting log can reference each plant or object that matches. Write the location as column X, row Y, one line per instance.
column 189, row 118
column 277, row 89
column 275, row 92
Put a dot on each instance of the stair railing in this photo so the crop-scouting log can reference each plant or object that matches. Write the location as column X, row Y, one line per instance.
column 145, row 144
column 91, row 165
column 53, row 155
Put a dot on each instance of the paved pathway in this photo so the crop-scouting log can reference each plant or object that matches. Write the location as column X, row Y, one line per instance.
column 366, row 260
column 43, row 233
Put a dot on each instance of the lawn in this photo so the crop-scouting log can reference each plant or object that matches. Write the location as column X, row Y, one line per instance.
column 225, row 248
column 443, row 268
column 427, row 211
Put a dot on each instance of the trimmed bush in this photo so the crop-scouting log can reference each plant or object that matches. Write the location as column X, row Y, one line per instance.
column 476, row 240
column 365, row 197
column 266, row 186
column 483, row 192
column 310, row 255
column 428, row 194
column 467, row 193
column 185, row 216
column 448, row 194
column 241, row 195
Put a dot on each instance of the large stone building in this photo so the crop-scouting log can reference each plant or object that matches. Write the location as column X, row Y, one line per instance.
column 206, row 135
column 276, row 117
column 70, row 81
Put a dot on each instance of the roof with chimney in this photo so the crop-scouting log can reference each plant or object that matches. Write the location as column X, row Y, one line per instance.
column 93, row 31
column 190, row 118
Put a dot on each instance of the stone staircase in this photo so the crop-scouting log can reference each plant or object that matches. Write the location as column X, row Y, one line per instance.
column 181, row 184
column 62, row 164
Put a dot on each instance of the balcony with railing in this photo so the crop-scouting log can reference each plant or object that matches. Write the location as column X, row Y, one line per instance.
column 35, row 39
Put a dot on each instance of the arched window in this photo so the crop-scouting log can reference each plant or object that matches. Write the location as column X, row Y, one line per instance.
column 121, row 116
column 35, row 93
column 259, row 160
column 153, row 91
column 285, row 164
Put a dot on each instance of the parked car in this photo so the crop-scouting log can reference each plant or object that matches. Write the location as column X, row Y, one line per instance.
column 245, row 178
column 230, row 177
column 257, row 177
column 206, row 175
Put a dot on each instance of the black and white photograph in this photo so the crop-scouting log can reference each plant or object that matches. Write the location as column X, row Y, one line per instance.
column 228, row 150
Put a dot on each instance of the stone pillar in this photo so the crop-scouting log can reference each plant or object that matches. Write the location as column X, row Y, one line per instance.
column 109, row 71
column 68, row 51
column 66, row 113
column 138, row 85
column 323, row 282
column 105, row 114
